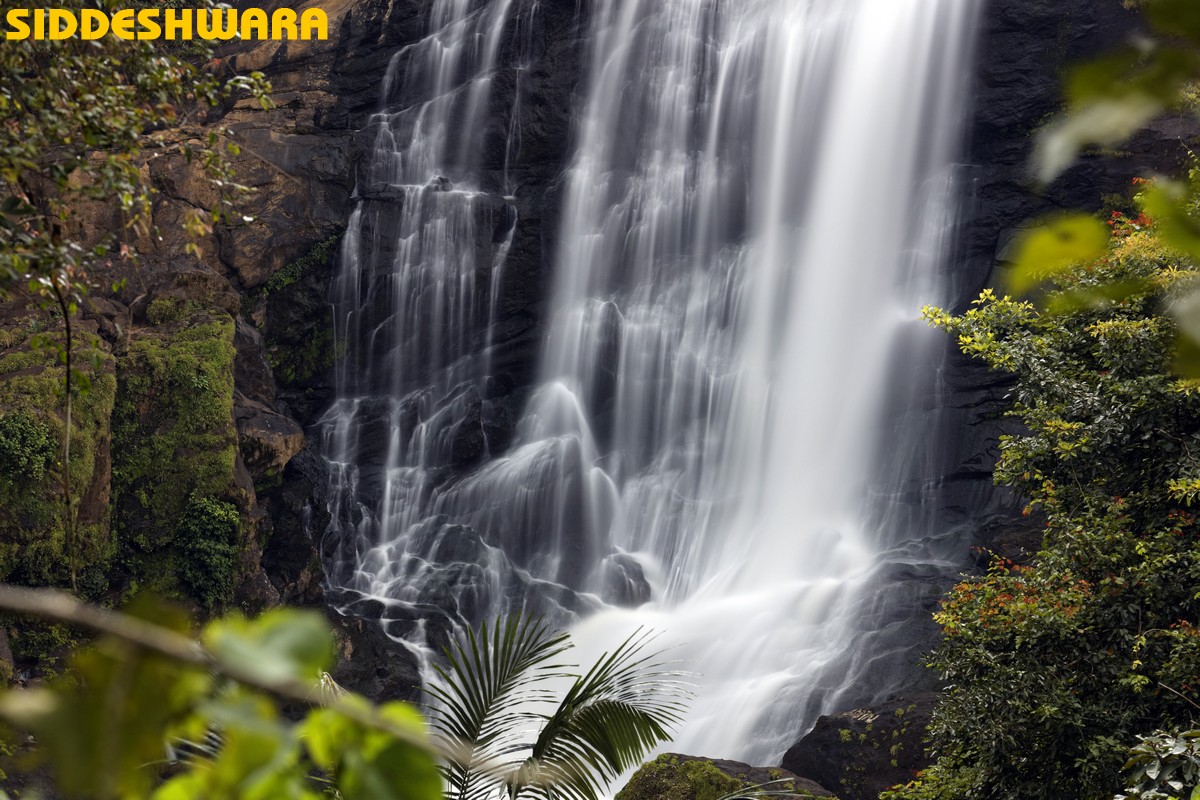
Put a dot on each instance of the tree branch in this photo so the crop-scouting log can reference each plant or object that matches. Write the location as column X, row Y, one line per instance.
column 62, row 607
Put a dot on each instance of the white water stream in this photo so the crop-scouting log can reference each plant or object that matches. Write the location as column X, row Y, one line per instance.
column 734, row 405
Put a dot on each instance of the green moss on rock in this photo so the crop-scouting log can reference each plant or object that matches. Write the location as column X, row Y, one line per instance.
column 206, row 539
column 32, row 427
column 677, row 777
column 669, row 778
column 318, row 256
column 175, row 440
column 301, row 362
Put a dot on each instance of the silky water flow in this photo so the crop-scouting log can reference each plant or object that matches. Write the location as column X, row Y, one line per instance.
column 734, row 433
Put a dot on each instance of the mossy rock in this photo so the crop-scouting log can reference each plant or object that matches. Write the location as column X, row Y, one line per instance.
column 678, row 777
column 33, row 539
column 175, row 444
column 666, row 777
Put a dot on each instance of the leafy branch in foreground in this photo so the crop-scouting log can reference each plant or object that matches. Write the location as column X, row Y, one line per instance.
column 145, row 690
column 106, row 724
column 79, row 121
column 1164, row 766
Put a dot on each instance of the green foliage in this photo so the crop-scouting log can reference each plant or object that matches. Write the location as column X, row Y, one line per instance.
column 318, row 256
column 26, row 447
column 1164, row 766
column 78, row 119
column 607, row 721
column 174, row 440
column 33, row 536
column 1054, row 668
column 101, row 724
column 939, row 782
column 370, row 763
column 106, row 726
column 39, row 643
column 145, row 712
column 207, row 536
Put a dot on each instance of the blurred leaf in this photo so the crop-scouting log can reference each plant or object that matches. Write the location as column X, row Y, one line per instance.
column 1186, row 312
column 1178, row 17
column 281, row 645
column 259, row 758
column 1166, row 203
column 1055, row 245
column 1104, row 122
column 104, row 725
column 370, row 764
column 1093, row 298
column 326, row 734
column 104, row 722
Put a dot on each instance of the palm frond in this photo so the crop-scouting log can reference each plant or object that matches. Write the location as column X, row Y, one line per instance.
column 482, row 695
column 608, row 721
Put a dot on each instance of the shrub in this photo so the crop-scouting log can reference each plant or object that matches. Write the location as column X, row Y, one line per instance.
column 27, row 447
column 207, row 537
column 1055, row 668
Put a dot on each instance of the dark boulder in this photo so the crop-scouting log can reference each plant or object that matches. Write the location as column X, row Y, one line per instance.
column 373, row 664
column 860, row 753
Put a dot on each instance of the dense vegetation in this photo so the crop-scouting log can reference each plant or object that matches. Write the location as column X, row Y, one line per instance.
column 79, row 121
column 1056, row 667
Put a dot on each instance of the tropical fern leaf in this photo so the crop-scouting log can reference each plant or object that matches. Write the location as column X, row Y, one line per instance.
column 482, row 696
column 608, row 721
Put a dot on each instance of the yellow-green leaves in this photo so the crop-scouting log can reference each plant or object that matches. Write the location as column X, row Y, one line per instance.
column 367, row 763
column 1054, row 246
column 1175, row 17
column 147, row 713
column 280, row 646
column 1167, row 203
column 106, row 723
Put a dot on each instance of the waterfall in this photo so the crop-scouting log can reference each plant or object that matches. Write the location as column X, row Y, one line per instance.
column 734, row 430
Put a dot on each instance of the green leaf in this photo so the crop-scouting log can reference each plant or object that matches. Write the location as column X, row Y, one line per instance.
column 1104, row 122
column 371, row 764
column 1054, row 246
column 482, row 693
column 280, row 646
column 1178, row 17
column 105, row 725
column 1094, row 298
column 608, row 721
column 1166, row 203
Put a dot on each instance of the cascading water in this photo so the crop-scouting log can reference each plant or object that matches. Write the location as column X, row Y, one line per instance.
column 734, row 413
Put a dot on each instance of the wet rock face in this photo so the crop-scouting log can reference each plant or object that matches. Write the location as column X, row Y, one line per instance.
column 372, row 664
column 305, row 159
column 1024, row 47
column 860, row 753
